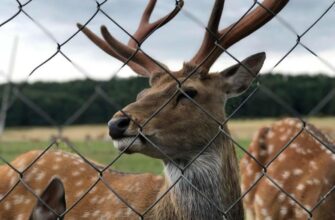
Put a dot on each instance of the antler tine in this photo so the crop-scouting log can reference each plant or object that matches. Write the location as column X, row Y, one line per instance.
column 140, row 63
column 145, row 28
column 252, row 21
column 211, row 31
column 128, row 52
column 105, row 47
column 237, row 31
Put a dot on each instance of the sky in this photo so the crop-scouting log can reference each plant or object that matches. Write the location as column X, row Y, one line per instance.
column 173, row 44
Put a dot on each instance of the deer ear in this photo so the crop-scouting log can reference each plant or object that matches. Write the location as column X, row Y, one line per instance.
column 239, row 77
column 54, row 197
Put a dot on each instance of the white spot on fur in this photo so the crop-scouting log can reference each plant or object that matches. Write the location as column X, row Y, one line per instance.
column 316, row 181
column 27, row 201
column 55, row 167
column 309, row 182
column 242, row 187
column 313, row 165
column 283, row 138
column 301, row 187
column 86, row 215
column 18, row 199
column 129, row 212
column 75, row 173
column 249, row 170
column 264, row 212
column 80, row 193
column 7, row 205
column 41, row 161
column 299, row 213
column 291, row 202
column 297, row 172
column 282, row 156
column 79, row 183
column 96, row 213
column 76, row 162
column 271, row 134
column 283, row 211
column 20, row 216
column 40, row 176
column 271, row 148
column 291, row 122
column 294, row 145
column 38, row 191
column 286, row 174
column 108, row 215
column 281, row 197
column 12, row 181
column 101, row 200
column 10, row 173
column 58, row 159
column 259, row 200
column 94, row 200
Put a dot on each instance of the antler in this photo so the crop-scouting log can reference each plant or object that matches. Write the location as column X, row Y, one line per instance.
column 139, row 62
column 209, row 51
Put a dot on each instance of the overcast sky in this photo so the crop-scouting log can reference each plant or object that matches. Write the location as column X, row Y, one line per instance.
column 174, row 43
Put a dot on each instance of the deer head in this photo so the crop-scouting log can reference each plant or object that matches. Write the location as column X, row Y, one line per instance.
column 53, row 203
column 181, row 128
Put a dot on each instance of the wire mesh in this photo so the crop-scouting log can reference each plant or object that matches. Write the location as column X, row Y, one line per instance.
column 100, row 180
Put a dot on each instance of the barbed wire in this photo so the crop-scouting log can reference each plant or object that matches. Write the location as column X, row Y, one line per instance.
column 100, row 92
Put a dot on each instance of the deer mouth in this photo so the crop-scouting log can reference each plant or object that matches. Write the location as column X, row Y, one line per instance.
column 128, row 144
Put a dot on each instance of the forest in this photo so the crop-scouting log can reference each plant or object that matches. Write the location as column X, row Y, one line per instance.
column 94, row 102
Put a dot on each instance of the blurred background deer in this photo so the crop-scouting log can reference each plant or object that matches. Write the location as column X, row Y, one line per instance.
column 299, row 161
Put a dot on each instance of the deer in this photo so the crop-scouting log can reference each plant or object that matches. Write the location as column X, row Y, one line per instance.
column 179, row 119
column 299, row 161
column 52, row 202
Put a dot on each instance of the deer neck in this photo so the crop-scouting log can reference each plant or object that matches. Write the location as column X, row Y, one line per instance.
column 214, row 174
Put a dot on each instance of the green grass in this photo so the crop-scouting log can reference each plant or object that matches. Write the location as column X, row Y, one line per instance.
column 99, row 151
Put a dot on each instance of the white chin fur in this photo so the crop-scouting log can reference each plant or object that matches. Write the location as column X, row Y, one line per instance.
column 123, row 143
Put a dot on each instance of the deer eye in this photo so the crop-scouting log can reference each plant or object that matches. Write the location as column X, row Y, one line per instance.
column 190, row 92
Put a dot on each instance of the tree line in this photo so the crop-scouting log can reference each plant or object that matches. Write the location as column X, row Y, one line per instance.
column 265, row 98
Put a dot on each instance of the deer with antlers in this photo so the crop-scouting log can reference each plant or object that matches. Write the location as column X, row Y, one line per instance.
column 299, row 161
column 178, row 120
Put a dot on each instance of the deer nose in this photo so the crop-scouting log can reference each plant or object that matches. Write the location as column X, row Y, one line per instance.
column 118, row 126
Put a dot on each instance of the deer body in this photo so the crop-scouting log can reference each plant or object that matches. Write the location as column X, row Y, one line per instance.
column 305, row 170
column 167, row 121
column 101, row 203
column 77, row 177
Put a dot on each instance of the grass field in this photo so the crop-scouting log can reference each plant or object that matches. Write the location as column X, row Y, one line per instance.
column 93, row 142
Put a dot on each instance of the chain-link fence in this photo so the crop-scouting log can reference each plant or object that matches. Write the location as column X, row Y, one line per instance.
column 15, row 93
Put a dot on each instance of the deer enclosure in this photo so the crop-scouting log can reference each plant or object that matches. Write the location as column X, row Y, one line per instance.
column 167, row 109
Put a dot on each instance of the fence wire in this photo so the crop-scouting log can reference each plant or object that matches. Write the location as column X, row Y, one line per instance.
column 14, row 93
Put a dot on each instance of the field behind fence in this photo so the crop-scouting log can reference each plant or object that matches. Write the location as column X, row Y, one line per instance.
column 93, row 141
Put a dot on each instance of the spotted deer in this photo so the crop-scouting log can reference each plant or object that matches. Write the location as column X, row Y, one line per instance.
column 52, row 203
column 201, row 175
column 305, row 170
